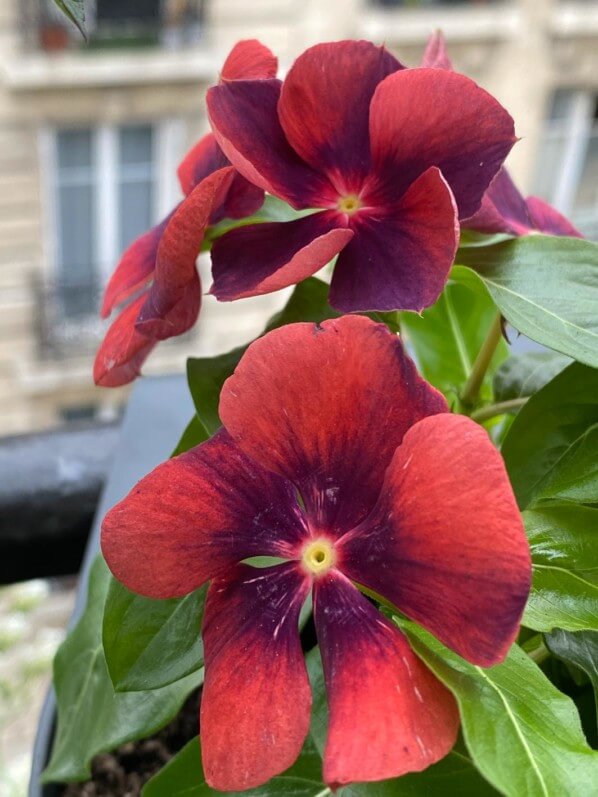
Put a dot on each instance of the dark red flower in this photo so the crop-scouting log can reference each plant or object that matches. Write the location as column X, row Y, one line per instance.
column 162, row 261
column 387, row 153
column 503, row 208
column 336, row 456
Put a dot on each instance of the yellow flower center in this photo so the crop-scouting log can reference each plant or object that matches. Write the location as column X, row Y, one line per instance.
column 318, row 557
column 349, row 204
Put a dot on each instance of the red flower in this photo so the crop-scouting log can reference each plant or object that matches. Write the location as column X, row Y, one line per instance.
column 387, row 153
column 503, row 207
column 345, row 463
column 161, row 263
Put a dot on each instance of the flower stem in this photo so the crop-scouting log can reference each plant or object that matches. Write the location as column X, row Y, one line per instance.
column 536, row 649
column 471, row 389
column 492, row 410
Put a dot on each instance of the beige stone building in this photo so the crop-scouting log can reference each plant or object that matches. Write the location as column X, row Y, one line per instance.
column 90, row 137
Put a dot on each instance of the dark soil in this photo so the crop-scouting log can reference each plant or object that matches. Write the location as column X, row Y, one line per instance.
column 124, row 772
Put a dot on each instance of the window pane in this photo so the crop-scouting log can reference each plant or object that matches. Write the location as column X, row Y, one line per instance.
column 136, row 201
column 136, row 182
column 75, row 149
column 75, row 223
column 111, row 10
column 136, row 145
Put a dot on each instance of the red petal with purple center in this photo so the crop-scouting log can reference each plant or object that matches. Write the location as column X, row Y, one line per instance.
column 197, row 514
column 446, row 542
column 324, row 107
column 244, row 117
column 256, row 697
column 400, row 260
column 431, row 117
column 261, row 258
column 548, row 220
column 326, row 406
column 388, row 714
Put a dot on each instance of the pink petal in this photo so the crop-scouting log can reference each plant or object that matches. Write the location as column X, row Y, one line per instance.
column 436, row 55
column 249, row 60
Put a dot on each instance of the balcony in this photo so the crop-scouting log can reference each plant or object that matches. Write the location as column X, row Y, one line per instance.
column 114, row 24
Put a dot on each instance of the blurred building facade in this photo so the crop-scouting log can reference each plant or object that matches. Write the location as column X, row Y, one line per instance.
column 90, row 137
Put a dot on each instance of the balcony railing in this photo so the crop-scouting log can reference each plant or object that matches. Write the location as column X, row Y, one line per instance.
column 114, row 24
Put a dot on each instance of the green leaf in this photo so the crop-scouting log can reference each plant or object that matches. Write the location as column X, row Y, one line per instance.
column 523, row 734
column 183, row 777
column 92, row 718
column 455, row 774
column 564, row 544
column 194, row 434
column 546, row 287
column 574, row 477
column 447, row 337
column 75, row 11
column 522, row 375
column 149, row 643
column 580, row 649
column 547, row 425
column 206, row 375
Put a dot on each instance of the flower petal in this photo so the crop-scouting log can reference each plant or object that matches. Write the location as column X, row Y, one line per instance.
column 431, row 117
column 256, row 697
column 242, row 198
column 324, row 107
column 261, row 258
column 446, row 542
column 503, row 209
column 249, row 60
column 178, row 252
column 123, row 350
column 195, row 515
column 436, row 55
column 388, row 714
column 547, row 219
column 326, row 406
column 244, row 117
column 134, row 269
column 400, row 261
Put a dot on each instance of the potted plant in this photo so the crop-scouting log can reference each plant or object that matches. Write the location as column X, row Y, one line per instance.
column 374, row 547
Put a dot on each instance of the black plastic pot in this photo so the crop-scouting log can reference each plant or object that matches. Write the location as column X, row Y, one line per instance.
column 156, row 416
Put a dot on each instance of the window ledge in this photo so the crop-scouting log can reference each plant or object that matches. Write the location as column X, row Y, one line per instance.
column 88, row 70
column 459, row 23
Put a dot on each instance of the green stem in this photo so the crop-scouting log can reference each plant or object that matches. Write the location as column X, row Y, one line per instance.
column 471, row 389
column 536, row 649
column 492, row 410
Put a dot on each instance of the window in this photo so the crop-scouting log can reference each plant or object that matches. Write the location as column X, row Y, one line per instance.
column 105, row 196
column 567, row 166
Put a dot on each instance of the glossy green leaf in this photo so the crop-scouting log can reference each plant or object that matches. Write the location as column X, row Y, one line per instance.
column 151, row 643
column 522, row 375
column 546, row 287
column 75, row 11
column 564, row 543
column 574, row 477
column 447, row 337
column 206, row 375
column 92, row 717
column 183, row 777
column 521, row 732
column 194, row 434
column 455, row 774
column 578, row 648
column 547, row 425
